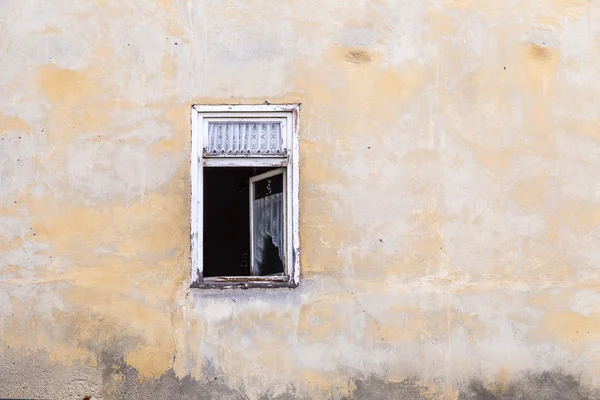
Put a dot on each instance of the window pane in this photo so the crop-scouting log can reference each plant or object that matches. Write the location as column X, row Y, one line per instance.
column 244, row 138
column 268, row 224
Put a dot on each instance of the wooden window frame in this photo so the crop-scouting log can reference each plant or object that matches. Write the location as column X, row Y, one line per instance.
column 289, row 114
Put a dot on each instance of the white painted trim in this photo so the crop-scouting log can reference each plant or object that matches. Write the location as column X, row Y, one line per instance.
column 251, row 181
column 294, row 187
column 291, row 112
column 246, row 108
column 240, row 116
column 267, row 174
column 235, row 156
column 268, row 278
column 244, row 162
column 196, row 203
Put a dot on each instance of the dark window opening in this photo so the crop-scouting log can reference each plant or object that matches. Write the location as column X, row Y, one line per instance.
column 233, row 220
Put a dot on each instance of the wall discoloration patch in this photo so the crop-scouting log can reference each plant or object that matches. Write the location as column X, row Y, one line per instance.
column 357, row 56
column 549, row 385
column 449, row 198
column 540, row 53
column 32, row 375
column 377, row 388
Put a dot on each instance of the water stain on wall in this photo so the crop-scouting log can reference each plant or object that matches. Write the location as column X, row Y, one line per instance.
column 448, row 199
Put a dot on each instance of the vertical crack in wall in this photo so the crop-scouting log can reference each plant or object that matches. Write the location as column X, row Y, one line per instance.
column 173, row 329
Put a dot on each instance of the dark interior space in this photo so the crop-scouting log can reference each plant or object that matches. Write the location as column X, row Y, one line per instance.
column 227, row 220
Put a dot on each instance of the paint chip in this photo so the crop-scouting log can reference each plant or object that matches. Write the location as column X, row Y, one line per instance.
column 358, row 56
column 540, row 53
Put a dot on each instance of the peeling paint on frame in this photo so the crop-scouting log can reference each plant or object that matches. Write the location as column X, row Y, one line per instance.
column 291, row 112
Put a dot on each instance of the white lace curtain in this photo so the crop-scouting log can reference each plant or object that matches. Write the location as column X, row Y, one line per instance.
column 244, row 138
column 268, row 221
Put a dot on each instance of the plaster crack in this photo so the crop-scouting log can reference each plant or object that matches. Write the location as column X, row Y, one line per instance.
column 173, row 329
column 360, row 306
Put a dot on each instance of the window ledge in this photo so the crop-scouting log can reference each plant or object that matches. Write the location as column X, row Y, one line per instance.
column 244, row 282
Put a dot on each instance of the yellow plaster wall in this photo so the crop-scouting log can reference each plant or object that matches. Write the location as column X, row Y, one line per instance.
column 449, row 188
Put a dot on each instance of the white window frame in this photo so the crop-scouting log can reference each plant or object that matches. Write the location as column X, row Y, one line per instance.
column 289, row 115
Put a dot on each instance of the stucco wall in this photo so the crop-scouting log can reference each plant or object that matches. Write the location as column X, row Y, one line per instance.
column 450, row 155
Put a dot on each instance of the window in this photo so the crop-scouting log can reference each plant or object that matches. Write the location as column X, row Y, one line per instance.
column 244, row 209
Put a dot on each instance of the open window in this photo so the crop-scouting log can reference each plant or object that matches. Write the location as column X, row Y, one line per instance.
column 244, row 217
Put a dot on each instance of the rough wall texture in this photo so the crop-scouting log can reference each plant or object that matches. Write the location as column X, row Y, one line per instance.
column 449, row 199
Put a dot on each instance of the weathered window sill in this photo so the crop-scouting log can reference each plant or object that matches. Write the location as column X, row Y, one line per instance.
column 244, row 282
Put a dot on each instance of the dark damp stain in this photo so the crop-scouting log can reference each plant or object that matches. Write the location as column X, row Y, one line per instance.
column 290, row 393
column 120, row 381
column 358, row 57
column 547, row 385
column 374, row 387
column 167, row 387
